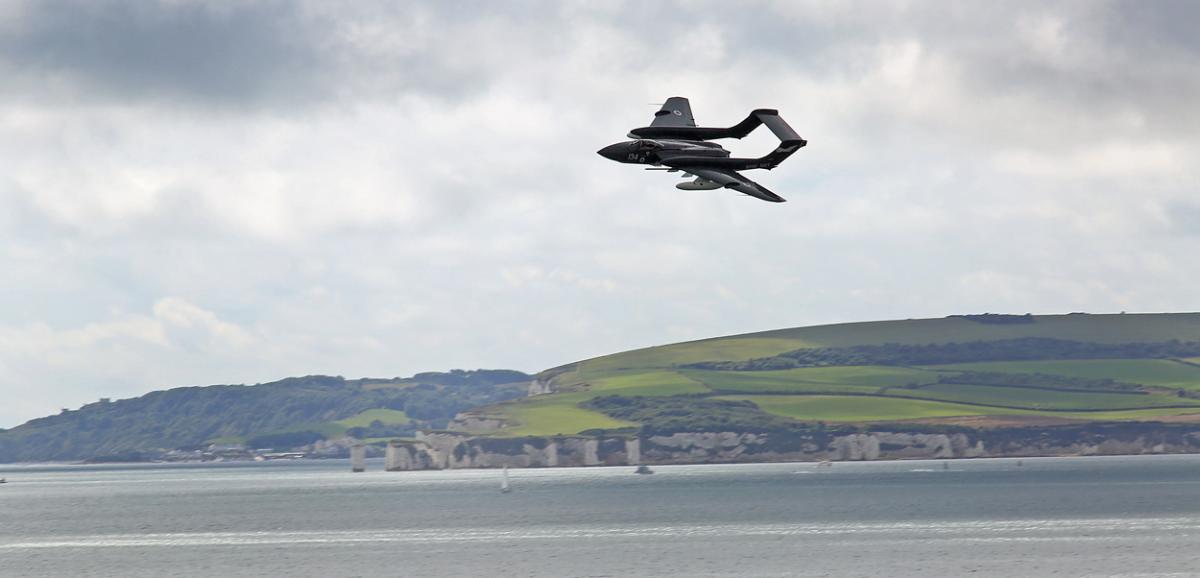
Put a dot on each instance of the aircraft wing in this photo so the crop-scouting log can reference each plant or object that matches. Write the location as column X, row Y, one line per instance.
column 736, row 181
column 677, row 111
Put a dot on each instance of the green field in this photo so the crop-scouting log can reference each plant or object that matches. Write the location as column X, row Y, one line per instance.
column 861, row 408
column 740, row 348
column 560, row 412
column 649, row 383
column 867, row 409
column 1130, row 415
column 364, row 419
column 555, row 414
column 1159, row 372
column 1039, row 398
column 657, row 371
column 1109, row 328
column 861, row 377
column 1089, row 328
column 771, row 382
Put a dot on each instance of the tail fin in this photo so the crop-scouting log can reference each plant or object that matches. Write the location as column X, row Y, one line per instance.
column 789, row 141
column 783, row 151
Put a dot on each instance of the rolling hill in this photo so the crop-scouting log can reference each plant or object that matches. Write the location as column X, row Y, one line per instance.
column 282, row 414
column 973, row 371
column 979, row 370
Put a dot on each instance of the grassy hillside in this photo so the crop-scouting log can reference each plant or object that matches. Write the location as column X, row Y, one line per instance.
column 370, row 416
column 1161, row 372
column 281, row 414
column 1006, row 368
column 1119, row 328
column 980, row 370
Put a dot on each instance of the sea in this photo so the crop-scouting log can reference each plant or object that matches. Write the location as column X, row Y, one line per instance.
column 1136, row 516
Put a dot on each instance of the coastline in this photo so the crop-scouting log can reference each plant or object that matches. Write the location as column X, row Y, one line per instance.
column 447, row 450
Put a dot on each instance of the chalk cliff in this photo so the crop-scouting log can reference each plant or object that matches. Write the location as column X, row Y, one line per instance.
column 451, row 450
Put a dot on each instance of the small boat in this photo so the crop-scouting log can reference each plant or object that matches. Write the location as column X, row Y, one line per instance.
column 643, row 469
column 824, row 464
column 3, row 481
column 504, row 487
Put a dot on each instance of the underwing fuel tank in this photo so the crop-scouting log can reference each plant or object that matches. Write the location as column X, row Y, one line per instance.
column 698, row 185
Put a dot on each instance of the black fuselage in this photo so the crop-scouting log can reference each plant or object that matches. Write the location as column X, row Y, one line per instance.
column 674, row 143
column 675, row 153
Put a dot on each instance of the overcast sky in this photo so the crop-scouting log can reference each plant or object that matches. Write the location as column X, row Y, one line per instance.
column 195, row 193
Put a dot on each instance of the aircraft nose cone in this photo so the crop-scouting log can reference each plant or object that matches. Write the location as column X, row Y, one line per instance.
column 613, row 152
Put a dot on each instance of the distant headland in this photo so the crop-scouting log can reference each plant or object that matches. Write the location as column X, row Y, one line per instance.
column 954, row 387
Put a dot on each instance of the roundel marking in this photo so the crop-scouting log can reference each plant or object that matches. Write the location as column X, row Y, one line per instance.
column 676, row 113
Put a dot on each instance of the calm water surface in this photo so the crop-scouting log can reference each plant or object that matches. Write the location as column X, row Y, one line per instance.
column 1111, row 516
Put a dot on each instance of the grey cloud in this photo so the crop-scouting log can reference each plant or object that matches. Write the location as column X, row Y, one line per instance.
column 223, row 53
column 1183, row 217
column 1032, row 70
column 246, row 54
column 378, row 188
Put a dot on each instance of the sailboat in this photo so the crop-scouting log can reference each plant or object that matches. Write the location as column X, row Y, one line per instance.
column 504, row 487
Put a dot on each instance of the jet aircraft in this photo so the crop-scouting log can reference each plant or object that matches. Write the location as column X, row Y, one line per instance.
column 674, row 143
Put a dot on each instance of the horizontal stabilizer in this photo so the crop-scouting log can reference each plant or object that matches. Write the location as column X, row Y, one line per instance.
column 783, row 131
column 781, row 152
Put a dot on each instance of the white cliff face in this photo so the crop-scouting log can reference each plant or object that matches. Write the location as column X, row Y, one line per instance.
column 452, row 450
column 545, row 456
column 391, row 458
column 590, row 457
column 918, row 445
column 471, row 423
column 633, row 451
column 456, row 450
column 404, row 456
column 1117, row 448
column 539, row 387
column 701, row 445
column 358, row 458
column 440, row 448
column 857, row 447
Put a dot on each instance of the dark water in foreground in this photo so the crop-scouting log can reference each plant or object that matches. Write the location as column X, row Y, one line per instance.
column 1120, row 516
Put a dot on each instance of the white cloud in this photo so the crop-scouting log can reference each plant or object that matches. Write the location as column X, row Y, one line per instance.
column 175, row 314
column 1101, row 160
column 383, row 188
column 114, row 354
